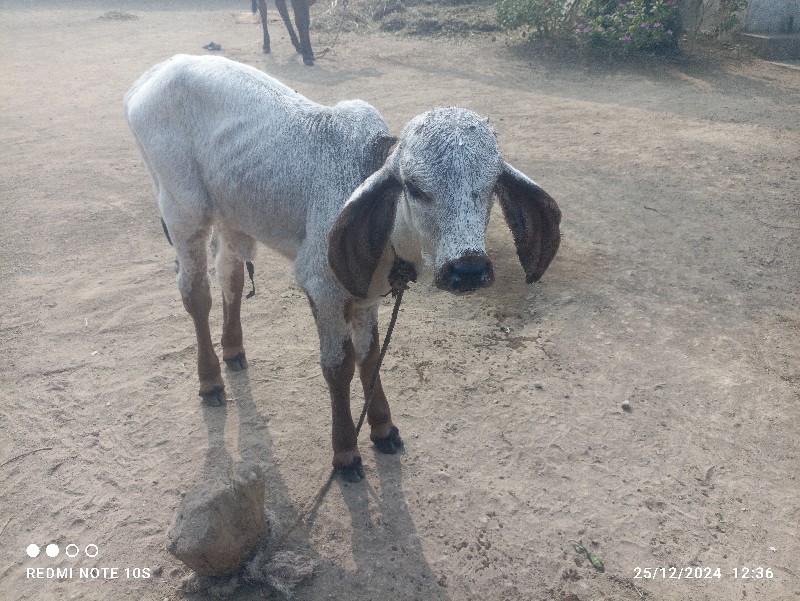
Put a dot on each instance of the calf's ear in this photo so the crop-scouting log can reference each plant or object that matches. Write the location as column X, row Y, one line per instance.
column 361, row 231
column 533, row 217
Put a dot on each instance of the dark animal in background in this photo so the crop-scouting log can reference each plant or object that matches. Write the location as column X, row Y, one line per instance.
column 301, row 18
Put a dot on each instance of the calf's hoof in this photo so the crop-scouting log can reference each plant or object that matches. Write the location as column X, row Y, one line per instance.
column 214, row 397
column 237, row 363
column 309, row 61
column 266, row 49
column 391, row 444
column 354, row 472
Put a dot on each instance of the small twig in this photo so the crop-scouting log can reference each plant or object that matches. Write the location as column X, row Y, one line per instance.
column 776, row 226
column 314, row 375
column 3, row 529
column 654, row 210
column 21, row 455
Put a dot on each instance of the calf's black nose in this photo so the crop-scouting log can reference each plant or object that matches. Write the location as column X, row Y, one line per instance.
column 466, row 274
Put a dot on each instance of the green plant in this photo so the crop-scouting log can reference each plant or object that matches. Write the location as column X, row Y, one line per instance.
column 729, row 15
column 544, row 17
column 629, row 25
column 616, row 25
column 712, row 17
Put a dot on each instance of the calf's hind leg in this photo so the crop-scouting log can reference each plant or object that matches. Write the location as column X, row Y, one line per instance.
column 196, row 294
column 230, row 272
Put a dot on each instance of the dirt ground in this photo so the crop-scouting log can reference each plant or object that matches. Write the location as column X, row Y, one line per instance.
column 675, row 290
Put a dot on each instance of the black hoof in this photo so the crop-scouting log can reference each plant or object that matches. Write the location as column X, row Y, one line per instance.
column 353, row 472
column 391, row 444
column 266, row 49
column 238, row 363
column 309, row 61
column 215, row 398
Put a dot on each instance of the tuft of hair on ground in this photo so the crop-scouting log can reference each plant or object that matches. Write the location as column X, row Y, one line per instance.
column 117, row 15
column 282, row 571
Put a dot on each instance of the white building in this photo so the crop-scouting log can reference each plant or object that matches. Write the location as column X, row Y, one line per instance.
column 773, row 16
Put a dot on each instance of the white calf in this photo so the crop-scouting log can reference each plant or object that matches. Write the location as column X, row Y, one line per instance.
column 229, row 147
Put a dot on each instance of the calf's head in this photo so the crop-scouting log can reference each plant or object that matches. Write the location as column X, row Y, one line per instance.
column 431, row 201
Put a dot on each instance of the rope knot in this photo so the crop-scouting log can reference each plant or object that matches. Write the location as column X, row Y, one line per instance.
column 401, row 274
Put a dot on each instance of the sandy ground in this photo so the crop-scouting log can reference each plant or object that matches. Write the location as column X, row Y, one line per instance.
column 675, row 290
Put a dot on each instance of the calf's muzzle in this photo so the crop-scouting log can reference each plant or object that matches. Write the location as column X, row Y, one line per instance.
column 465, row 274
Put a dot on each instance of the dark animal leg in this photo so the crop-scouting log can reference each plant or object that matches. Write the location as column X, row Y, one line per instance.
column 303, row 21
column 284, row 11
column 262, row 9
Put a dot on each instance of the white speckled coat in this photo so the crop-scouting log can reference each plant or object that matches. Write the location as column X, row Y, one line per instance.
column 229, row 147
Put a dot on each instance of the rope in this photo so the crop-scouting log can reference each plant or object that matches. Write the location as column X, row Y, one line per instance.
column 338, row 30
column 401, row 274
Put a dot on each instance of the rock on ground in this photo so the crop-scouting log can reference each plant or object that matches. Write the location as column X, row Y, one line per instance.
column 220, row 523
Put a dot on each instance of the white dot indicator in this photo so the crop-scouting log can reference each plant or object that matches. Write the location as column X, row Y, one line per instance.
column 91, row 550
column 52, row 550
column 32, row 550
column 72, row 550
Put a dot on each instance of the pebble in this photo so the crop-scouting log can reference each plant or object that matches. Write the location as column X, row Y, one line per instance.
column 626, row 406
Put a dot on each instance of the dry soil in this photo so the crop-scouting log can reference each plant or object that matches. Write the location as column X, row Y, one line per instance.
column 675, row 291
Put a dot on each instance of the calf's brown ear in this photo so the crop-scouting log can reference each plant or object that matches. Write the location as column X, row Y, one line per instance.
column 533, row 217
column 361, row 231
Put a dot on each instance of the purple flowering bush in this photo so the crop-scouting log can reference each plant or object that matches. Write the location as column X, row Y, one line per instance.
column 614, row 25
column 630, row 25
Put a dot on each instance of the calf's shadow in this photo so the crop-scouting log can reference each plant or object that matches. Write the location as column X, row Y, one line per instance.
column 385, row 545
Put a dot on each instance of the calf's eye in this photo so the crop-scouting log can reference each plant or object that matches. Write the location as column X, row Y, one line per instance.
column 414, row 191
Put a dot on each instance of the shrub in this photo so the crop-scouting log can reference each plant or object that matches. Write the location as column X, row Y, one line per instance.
column 630, row 25
column 544, row 17
column 618, row 25
column 715, row 17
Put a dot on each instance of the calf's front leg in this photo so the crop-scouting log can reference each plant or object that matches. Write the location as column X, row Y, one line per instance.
column 346, row 458
column 337, row 358
column 383, row 433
